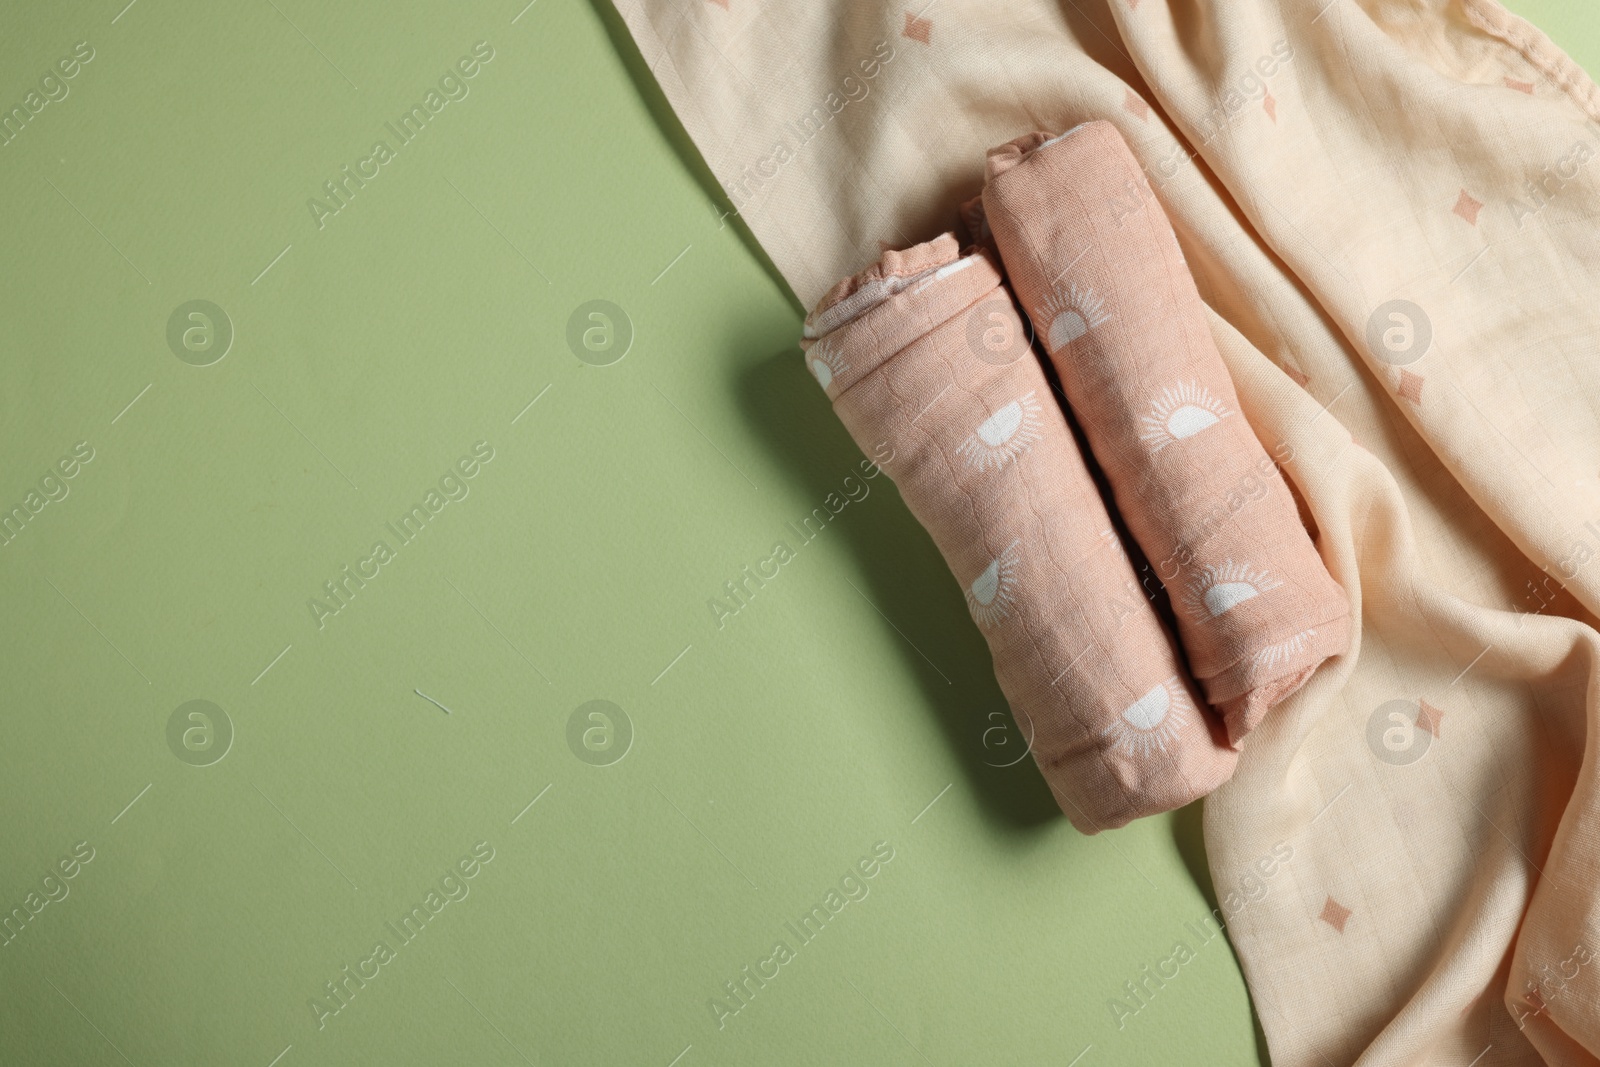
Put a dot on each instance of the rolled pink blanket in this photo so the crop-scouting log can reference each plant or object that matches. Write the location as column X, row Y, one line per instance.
column 927, row 362
column 1095, row 263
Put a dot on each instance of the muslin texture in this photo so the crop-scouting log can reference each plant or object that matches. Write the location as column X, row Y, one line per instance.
column 1389, row 208
column 1091, row 256
column 929, row 368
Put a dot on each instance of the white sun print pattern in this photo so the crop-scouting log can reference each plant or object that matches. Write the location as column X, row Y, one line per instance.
column 1152, row 721
column 1274, row 655
column 1217, row 587
column 1109, row 536
column 1004, row 435
column 1071, row 312
column 992, row 593
column 825, row 363
column 1180, row 411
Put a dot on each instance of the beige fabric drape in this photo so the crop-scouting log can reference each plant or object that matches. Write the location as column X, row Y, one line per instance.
column 1321, row 159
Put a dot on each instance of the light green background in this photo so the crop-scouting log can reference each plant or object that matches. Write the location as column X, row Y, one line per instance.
column 849, row 702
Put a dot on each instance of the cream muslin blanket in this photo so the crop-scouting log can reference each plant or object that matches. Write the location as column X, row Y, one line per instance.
column 1390, row 210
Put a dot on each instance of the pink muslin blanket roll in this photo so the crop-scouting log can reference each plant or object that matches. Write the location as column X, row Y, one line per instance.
column 1097, row 267
column 928, row 364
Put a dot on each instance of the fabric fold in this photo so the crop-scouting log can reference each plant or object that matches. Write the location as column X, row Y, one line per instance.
column 1388, row 210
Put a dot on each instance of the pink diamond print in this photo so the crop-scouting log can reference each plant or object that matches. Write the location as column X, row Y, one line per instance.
column 1411, row 386
column 1428, row 717
column 1335, row 914
column 1134, row 104
column 1467, row 206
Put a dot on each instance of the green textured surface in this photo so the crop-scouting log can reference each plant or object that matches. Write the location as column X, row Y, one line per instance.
column 848, row 703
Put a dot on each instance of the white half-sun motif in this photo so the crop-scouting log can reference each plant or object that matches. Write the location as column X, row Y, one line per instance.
column 1180, row 411
column 1218, row 587
column 1153, row 720
column 1071, row 312
column 1004, row 435
column 825, row 363
column 1273, row 655
column 992, row 593
column 1109, row 536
